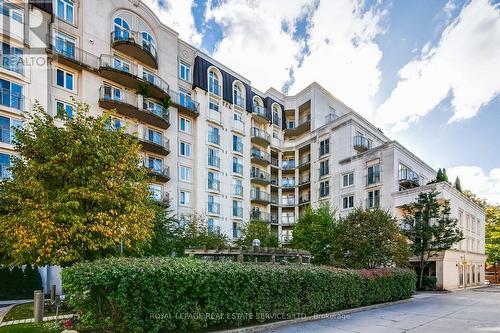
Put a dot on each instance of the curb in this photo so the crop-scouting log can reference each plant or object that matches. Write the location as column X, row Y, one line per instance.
column 278, row 324
column 31, row 320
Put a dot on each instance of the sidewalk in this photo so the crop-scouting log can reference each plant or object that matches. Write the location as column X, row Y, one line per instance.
column 32, row 320
column 5, row 306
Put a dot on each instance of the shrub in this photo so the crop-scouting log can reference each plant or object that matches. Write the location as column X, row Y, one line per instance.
column 429, row 282
column 174, row 294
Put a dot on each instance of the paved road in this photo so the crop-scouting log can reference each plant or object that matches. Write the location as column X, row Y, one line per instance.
column 462, row 311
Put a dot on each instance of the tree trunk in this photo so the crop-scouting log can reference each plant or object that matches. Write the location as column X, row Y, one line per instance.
column 495, row 270
column 421, row 275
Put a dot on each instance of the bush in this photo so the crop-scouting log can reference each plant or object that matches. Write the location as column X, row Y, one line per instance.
column 174, row 294
column 429, row 282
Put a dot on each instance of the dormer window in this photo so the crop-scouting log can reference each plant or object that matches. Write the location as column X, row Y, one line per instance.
column 213, row 83
column 238, row 98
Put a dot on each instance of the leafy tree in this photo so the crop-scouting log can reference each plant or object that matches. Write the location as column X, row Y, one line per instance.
column 257, row 229
column 195, row 234
column 167, row 234
column 15, row 285
column 445, row 176
column 439, row 176
column 4, row 280
column 429, row 227
column 474, row 198
column 315, row 232
column 369, row 239
column 458, row 184
column 492, row 234
column 32, row 280
column 76, row 192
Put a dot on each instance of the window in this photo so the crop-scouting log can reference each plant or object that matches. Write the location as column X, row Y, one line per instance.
column 324, row 189
column 185, row 71
column 237, row 208
column 373, row 200
column 324, row 147
column 121, row 29
column 5, row 160
column 237, row 144
column 121, row 64
column 65, row 10
column 237, row 187
column 148, row 42
column 7, row 129
column 64, row 79
column 213, row 158
column 185, row 125
column 236, row 231
column 184, row 198
column 12, row 11
column 324, row 168
column 238, row 98
column 12, row 58
column 64, row 109
column 155, row 164
column 211, row 225
column 373, row 174
column 213, row 135
column 213, row 205
column 185, row 149
column 348, row 179
column 348, row 202
column 155, row 108
column 65, row 45
column 213, row 105
column 290, row 124
column 154, row 136
column 156, row 192
column 112, row 93
column 11, row 94
column 237, row 166
column 185, row 173
column 213, row 181
column 213, row 83
column 149, row 76
column 185, row 99
column 237, row 116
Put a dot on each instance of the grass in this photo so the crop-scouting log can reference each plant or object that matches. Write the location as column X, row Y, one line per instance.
column 30, row 328
column 25, row 311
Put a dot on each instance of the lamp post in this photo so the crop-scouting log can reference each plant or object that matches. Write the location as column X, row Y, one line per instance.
column 122, row 231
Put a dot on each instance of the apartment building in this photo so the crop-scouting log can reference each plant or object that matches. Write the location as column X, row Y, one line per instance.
column 221, row 147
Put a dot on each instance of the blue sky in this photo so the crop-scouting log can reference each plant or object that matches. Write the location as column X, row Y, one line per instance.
column 427, row 72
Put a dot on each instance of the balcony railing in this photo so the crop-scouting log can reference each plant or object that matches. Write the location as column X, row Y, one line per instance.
column 257, row 153
column 301, row 121
column 258, row 215
column 330, row 118
column 214, row 184
column 304, row 199
column 288, row 164
column 288, row 183
column 75, row 55
column 274, row 219
column 260, row 111
column 135, row 37
column 159, row 170
column 185, row 101
column 214, row 138
column 305, row 179
column 289, row 201
column 156, row 81
column 274, row 162
column 305, row 160
column 156, row 109
column 238, row 190
column 258, row 133
column 274, row 180
column 260, row 196
column 361, row 143
column 214, row 161
column 213, row 208
column 106, row 60
column 157, row 140
column 288, row 219
column 407, row 175
column 275, row 199
column 108, row 93
column 260, row 175
column 239, row 100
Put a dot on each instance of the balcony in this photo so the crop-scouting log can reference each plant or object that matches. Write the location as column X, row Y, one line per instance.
column 274, row 181
column 301, row 126
column 274, row 162
column 288, row 201
column 68, row 54
column 261, row 216
column 305, row 199
column 260, row 113
column 260, row 157
column 304, row 162
column 258, row 196
column 304, row 180
column 408, row 178
column 125, row 103
column 214, row 161
column 185, row 104
column 288, row 183
column 162, row 174
column 288, row 164
column 260, row 137
column 360, row 143
column 134, row 45
column 238, row 126
column 260, row 177
column 275, row 201
column 288, row 219
column 158, row 88
column 160, row 196
column 213, row 208
column 214, row 185
column 156, row 145
column 285, row 238
column 330, row 118
column 274, row 219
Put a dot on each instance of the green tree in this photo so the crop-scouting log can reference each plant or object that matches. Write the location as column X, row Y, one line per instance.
column 369, row 239
column 315, row 232
column 492, row 234
column 4, row 280
column 429, row 227
column 76, row 192
column 458, row 184
column 439, row 176
column 445, row 176
column 15, row 285
column 474, row 198
column 196, row 234
column 167, row 236
column 257, row 229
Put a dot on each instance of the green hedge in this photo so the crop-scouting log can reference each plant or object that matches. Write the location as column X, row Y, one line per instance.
column 167, row 294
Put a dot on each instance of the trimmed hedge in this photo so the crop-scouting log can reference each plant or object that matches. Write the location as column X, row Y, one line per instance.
column 172, row 294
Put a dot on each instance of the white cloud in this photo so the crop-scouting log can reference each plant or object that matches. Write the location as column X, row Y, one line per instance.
column 343, row 56
column 485, row 185
column 178, row 16
column 464, row 65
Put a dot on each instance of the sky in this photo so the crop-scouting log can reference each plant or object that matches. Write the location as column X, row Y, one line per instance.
column 426, row 72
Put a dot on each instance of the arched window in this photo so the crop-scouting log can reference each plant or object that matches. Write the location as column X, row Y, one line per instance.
column 213, row 83
column 258, row 106
column 121, row 29
column 238, row 96
column 148, row 42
